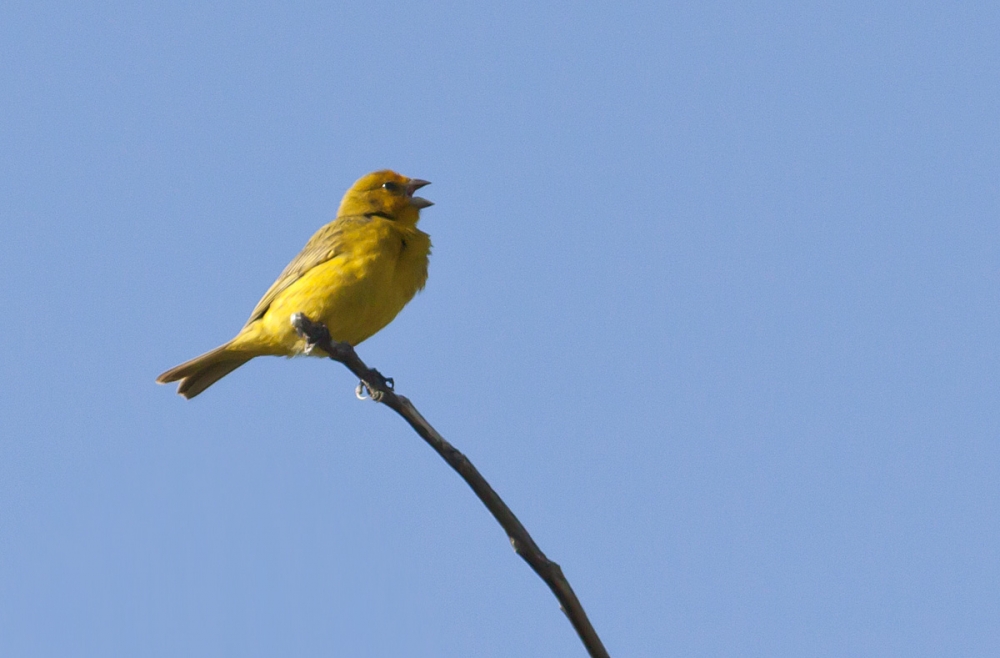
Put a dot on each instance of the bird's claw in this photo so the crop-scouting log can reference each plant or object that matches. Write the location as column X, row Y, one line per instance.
column 313, row 333
column 365, row 392
column 375, row 389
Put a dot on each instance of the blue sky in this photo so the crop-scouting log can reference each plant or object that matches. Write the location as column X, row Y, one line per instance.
column 713, row 305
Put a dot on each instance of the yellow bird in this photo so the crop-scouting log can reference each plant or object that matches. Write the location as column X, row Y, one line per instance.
column 354, row 275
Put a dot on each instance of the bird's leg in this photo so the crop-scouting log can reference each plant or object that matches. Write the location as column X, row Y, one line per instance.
column 376, row 384
column 317, row 335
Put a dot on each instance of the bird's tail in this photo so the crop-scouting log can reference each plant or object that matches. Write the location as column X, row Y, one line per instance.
column 202, row 371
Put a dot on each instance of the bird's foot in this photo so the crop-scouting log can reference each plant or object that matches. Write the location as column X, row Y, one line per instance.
column 314, row 333
column 374, row 385
column 317, row 335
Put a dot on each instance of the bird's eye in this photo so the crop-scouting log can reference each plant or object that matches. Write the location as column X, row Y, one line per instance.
column 392, row 187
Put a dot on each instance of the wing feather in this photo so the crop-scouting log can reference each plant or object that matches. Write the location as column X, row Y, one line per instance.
column 326, row 244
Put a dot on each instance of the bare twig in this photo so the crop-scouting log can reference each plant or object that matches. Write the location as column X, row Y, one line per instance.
column 381, row 390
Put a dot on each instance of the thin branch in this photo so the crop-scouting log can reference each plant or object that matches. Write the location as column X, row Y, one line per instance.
column 381, row 390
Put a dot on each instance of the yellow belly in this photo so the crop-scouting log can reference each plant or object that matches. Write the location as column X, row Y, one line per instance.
column 354, row 295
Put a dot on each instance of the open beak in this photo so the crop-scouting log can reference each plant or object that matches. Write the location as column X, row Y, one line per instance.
column 414, row 185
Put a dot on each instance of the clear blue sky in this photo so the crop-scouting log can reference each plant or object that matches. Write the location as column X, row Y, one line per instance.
column 713, row 304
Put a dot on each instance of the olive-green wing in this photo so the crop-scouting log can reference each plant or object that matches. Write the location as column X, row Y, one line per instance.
column 327, row 243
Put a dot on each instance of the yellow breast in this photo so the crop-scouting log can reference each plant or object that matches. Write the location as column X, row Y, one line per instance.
column 355, row 293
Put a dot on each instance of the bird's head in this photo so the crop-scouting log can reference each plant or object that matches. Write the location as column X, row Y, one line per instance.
column 386, row 194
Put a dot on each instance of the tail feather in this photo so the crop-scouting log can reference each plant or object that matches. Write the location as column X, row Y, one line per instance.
column 202, row 371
